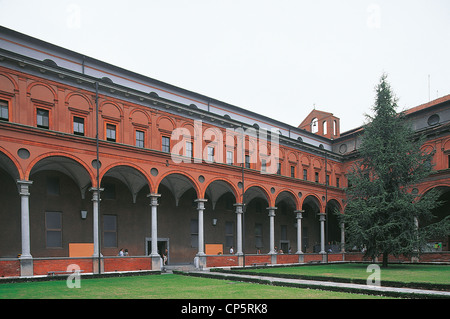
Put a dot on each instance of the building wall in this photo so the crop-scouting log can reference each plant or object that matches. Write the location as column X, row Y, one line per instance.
column 43, row 155
column 29, row 152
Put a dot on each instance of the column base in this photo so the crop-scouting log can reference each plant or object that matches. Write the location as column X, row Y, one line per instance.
column 26, row 266
column 156, row 262
column 200, row 261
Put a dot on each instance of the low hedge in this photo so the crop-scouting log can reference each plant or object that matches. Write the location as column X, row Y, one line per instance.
column 384, row 283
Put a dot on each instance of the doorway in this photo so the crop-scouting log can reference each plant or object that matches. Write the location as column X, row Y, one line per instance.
column 163, row 245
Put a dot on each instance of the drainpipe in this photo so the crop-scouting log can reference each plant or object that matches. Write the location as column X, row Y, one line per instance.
column 98, row 180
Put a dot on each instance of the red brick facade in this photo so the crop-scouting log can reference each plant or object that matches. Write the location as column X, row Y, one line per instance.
column 48, row 145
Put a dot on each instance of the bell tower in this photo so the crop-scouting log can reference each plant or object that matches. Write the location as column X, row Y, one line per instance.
column 321, row 123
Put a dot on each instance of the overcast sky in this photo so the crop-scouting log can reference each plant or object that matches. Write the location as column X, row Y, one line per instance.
column 278, row 58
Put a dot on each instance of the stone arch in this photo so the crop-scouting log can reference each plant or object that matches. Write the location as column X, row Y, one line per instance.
column 134, row 177
column 218, row 187
column 67, row 164
column 10, row 164
column 257, row 191
column 287, row 194
column 178, row 183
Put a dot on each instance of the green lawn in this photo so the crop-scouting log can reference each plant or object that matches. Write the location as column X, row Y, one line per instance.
column 434, row 274
column 170, row 286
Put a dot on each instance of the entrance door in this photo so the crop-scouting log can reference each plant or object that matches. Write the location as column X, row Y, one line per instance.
column 163, row 247
column 284, row 246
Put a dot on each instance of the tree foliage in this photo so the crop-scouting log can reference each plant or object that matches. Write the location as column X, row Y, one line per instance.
column 382, row 213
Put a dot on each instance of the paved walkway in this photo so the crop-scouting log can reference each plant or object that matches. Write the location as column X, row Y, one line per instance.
column 357, row 288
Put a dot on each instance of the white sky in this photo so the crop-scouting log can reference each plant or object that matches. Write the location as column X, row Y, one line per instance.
column 278, row 58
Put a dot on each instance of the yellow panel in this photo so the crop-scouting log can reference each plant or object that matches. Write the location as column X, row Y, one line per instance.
column 213, row 249
column 81, row 250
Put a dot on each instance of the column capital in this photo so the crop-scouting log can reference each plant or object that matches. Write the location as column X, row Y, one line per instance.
column 96, row 193
column 299, row 213
column 271, row 211
column 200, row 203
column 322, row 216
column 23, row 187
column 239, row 208
column 154, row 199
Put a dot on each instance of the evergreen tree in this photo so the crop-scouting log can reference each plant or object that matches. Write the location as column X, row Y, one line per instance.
column 382, row 214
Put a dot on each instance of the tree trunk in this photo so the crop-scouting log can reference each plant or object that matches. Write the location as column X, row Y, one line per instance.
column 385, row 259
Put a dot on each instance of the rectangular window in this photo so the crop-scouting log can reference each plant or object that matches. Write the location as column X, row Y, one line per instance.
column 327, row 180
column 263, row 165
column 316, row 177
column 258, row 236
column 292, row 171
column 189, row 149
column 229, row 157
column 4, row 112
column 210, row 154
column 194, row 233
column 110, row 132
column 110, row 231
column 337, row 181
column 42, row 117
column 53, row 229
column 140, row 139
column 165, row 144
column 229, row 234
column 78, row 125
column 278, row 168
column 305, row 174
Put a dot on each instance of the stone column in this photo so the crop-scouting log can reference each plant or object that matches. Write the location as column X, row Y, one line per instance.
column 154, row 231
column 201, row 239
column 322, row 233
column 156, row 258
column 24, row 191
column 26, row 260
column 239, row 212
column 299, row 230
column 96, row 219
column 272, row 229
column 342, row 238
